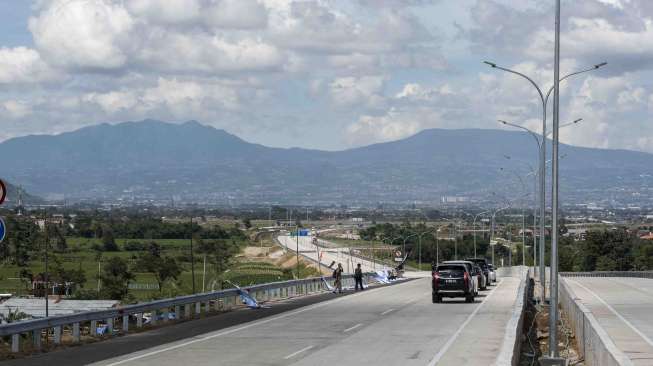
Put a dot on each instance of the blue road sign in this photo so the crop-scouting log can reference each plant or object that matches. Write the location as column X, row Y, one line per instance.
column 3, row 230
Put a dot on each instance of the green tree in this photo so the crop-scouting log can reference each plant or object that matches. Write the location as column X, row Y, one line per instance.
column 108, row 241
column 115, row 279
column 247, row 222
column 164, row 269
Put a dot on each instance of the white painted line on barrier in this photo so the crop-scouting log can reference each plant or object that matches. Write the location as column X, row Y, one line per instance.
column 249, row 325
column 387, row 311
column 629, row 324
column 298, row 352
column 352, row 328
column 446, row 346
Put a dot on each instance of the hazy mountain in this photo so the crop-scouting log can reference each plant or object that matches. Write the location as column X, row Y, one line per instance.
column 157, row 160
column 12, row 197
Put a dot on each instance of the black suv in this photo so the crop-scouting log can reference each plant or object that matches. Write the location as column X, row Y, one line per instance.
column 482, row 262
column 452, row 280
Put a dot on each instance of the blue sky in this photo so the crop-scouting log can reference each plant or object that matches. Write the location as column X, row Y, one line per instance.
column 325, row 74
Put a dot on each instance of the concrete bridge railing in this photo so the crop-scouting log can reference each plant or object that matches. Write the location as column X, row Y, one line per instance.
column 511, row 348
column 635, row 274
column 594, row 344
column 184, row 307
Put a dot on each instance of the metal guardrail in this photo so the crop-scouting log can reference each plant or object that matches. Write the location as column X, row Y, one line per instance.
column 224, row 300
column 635, row 274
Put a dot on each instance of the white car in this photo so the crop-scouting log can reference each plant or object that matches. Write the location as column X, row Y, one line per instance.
column 492, row 273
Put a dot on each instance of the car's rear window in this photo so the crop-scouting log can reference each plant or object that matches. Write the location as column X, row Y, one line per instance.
column 453, row 270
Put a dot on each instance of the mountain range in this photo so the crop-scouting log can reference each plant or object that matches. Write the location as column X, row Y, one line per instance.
column 158, row 161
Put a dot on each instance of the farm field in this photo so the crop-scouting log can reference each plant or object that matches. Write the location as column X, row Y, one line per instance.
column 81, row 254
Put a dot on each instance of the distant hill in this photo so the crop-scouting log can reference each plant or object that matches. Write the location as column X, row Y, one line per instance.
column 12, row 196
column 156, row 160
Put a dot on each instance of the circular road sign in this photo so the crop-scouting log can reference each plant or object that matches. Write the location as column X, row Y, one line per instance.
column 3, row 230
column 3, row 192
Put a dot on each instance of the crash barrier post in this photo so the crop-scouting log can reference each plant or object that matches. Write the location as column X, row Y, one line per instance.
column 91, row 319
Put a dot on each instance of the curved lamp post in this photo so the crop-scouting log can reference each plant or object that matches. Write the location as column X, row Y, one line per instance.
column 542, row 149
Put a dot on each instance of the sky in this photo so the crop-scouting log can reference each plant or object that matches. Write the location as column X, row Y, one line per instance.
column 326, row 74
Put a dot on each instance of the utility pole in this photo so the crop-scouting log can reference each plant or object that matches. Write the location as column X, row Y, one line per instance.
column 297, row 251
column 47, row 276
column 192, row 256
column 523, row 238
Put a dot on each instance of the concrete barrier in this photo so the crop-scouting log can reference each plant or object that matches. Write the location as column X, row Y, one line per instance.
column 511, row 348
column 633, row 274
column 594, row 344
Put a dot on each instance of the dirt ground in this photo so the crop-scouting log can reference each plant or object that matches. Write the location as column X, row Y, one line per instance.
column 536, row 334
column 275, row 255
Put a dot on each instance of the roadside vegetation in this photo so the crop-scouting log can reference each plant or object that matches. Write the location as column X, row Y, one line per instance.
column 134, row 259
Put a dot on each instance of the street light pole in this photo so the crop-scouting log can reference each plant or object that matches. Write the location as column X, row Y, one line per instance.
column 492, row 229
column 542, row 151
column 192, row 256
column 553, row 292
column 474, row 226
column 419, row 248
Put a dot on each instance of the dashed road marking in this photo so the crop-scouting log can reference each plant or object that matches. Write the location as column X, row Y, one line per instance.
column 352, row 328
column 298, row 352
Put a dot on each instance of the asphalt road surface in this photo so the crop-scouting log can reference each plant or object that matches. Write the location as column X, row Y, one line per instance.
column 393, row 325
column 624, row 308
column 328, row 255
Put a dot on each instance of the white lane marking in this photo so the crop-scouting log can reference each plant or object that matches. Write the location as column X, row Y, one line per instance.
column 387, row 311
column 647, row 291
column 453, row 338
column 298, row 352
column 352, row 328
column 629, row 324
column 249, row 325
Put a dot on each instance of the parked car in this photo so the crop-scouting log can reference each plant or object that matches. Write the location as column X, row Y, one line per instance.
column 482, row 262
column 492, row 273
column 452, row 280
column 472, row 272
column 481, row 279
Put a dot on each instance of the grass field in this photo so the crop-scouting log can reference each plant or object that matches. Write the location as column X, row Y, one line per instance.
column 80, row 255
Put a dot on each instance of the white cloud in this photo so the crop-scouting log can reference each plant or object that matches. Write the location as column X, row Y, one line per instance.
column 201, row 52
column 84, row 34
column 23, row 65
column 170, row 12
column 236, row 14
column 15, row 109
column 391, row 126
column 365, row 91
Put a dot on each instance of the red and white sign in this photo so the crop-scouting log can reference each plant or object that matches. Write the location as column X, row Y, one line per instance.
column 3, row 192
column 398, row 257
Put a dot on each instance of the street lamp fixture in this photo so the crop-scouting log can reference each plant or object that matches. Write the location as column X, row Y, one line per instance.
column 542, row 151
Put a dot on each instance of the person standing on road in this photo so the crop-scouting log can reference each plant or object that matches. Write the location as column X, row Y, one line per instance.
column 358, row 276
column 337, row 276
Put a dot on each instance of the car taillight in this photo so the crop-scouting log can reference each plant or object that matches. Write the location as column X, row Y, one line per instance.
column 466, row 280
column 436, row 278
